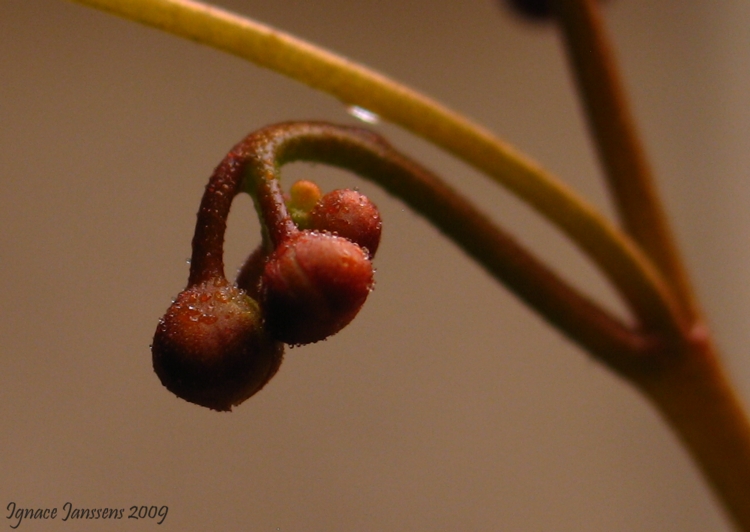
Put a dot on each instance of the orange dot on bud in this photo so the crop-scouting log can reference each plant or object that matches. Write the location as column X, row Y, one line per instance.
column 303, row 195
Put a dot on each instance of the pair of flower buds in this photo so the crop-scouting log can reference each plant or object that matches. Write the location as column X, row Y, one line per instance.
column 219, row 343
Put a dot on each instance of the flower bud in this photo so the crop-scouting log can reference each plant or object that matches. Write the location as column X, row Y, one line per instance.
column 210, row 347
column 348, row 214
column 313, row 285
column 248, row 277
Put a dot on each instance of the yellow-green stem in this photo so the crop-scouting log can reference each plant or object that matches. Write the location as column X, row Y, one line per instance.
column 620, row 148
column 630, row 271
column 692, row 393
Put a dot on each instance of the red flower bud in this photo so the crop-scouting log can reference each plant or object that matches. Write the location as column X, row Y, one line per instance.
column 313, row 285
column 210, row 347
column 348, row 214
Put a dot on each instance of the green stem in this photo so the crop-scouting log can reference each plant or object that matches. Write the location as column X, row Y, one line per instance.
column 626, row 266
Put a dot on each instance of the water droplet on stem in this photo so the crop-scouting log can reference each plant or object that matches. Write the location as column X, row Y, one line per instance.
column 363, row 114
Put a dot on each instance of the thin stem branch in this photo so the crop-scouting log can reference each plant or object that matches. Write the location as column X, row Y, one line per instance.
column 268, row 197
column 228, row 180
column 620, row 259
column 619, row 146
column 371, row 157
column 691, row 391
column 207, row 259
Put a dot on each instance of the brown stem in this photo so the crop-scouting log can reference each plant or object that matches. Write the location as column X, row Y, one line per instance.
column 681, row 375
column 690, row 389
column 371, row 157
column 207, row 261
column 228, row 179
column 619, row 145
column 269, row 198
column 632, row 273
column 699, row 403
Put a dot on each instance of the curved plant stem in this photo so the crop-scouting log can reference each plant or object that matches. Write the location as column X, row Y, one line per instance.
column 619, row 145
column 626, row 266
column 692, row 393
column 668, row 358
column 261, row 155
column 207, row 260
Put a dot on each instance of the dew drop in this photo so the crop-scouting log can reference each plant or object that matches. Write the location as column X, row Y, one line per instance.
column 363, row 114
column 208, row 319
column 194, row 315
column 221, row 297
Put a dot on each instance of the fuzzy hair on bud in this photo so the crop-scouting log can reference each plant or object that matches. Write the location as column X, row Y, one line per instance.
column 351, row 215
column 313, row 285
column 210, row 347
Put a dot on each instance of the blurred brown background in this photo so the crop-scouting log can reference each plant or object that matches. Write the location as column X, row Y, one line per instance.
column 446, row 405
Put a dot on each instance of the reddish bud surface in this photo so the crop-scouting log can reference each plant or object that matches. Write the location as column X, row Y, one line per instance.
column 313, row 285
column 351, row 215
column 210, row 347
column 248, row 277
